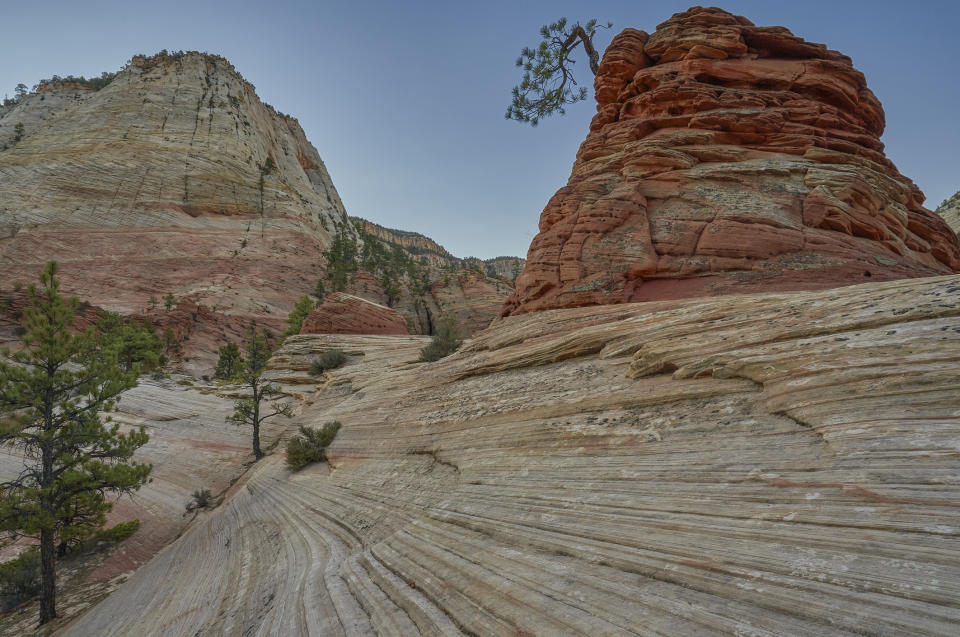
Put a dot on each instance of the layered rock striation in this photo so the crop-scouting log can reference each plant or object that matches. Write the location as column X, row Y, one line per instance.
column 173, row 178
column 347, row 314
column 770, row 464
column 727, row 157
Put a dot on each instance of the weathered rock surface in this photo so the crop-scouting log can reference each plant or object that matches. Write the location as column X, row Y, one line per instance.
column 775, row 464
column 726, row 157
column 347, row 314
column 950, row 211
column 173, row 178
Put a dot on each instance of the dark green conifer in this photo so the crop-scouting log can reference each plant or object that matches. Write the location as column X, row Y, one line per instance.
column 52, row 395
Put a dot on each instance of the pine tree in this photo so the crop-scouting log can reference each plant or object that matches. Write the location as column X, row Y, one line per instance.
column 135, row 341
column 300, row 311
column 547, row 82
column 341, row 258
column 229, row 363
column 247, row 411
column 51, row 396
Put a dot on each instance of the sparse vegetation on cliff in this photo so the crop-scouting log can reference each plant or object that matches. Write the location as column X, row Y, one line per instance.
column 300, row 311
column 200, row 499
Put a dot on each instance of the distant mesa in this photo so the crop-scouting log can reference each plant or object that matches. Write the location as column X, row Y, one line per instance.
column 728, row 158
column 347, row 314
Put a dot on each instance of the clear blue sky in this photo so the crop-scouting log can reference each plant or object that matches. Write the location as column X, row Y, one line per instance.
column 404, row 100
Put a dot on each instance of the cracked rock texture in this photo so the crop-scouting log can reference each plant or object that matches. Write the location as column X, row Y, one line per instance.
column 175, row 178
column 771, row 464
column 727, row 157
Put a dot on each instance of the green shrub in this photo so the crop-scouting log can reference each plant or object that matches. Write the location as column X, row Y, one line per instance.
column 202, row 498
column 310, row 445
column 445, row 341
column 330, row 359
column 20, row 578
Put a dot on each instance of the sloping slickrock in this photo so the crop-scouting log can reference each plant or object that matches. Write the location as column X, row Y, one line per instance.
column 346, row 314
column 173, row 178
column 775, row 464
column 728, row 158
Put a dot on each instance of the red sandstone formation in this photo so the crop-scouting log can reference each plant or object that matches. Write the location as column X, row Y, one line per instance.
column 346, row 314
column 725, row 158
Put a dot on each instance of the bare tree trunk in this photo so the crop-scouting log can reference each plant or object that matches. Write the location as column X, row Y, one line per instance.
column 578, row 32
column 48, row 574
column 48, row 557
column 257, row 452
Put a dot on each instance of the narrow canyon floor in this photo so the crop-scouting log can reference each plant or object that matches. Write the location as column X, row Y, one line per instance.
column 772, row 464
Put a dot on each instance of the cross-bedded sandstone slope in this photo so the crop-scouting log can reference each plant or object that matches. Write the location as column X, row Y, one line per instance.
column 753, row 465
column 191, row 447
column 174, row 177
column 727, row 157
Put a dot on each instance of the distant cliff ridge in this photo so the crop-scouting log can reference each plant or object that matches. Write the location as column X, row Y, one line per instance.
column 420, row 245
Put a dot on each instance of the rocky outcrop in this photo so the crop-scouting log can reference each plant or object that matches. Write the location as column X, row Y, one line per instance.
column 173, row 178
column 950, row 211
column 346, row 314
column 772, row 464
column 726, row 157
